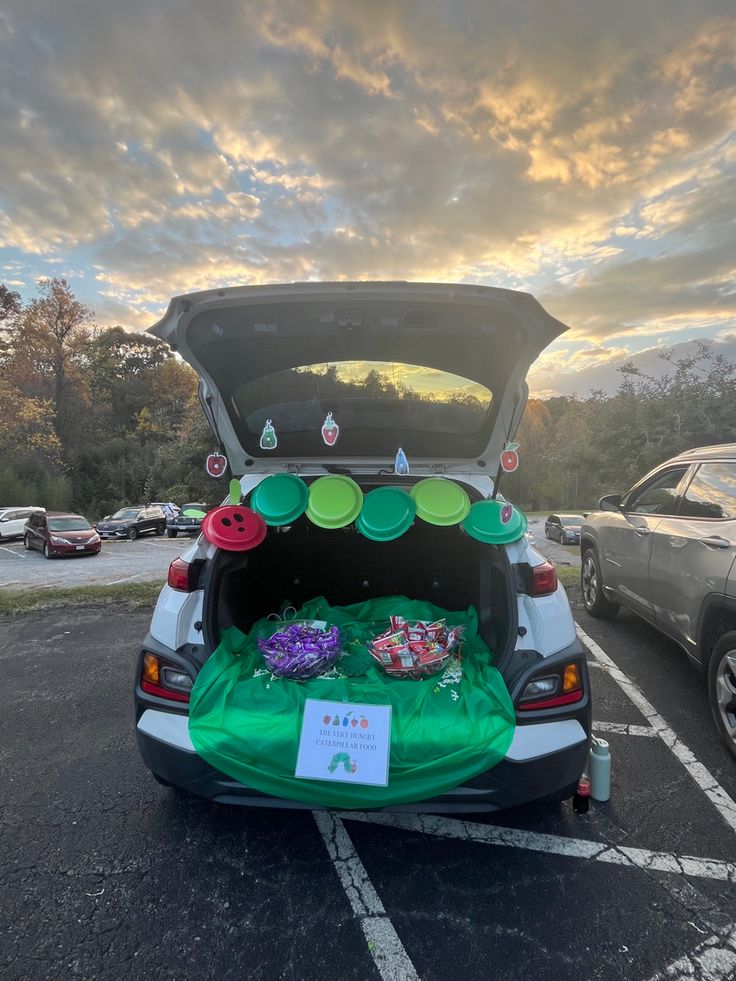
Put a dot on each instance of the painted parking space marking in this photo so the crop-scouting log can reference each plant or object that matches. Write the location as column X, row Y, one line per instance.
column 715, row 793
column 712, row 960
column 387, row 951
column 625, row 729
column 18, row 555
column 596, row 851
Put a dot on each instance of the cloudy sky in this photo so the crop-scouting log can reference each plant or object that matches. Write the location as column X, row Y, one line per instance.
column 584, row 151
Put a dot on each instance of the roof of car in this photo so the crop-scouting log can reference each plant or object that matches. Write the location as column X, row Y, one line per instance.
column 722, row 451
column 64, row 514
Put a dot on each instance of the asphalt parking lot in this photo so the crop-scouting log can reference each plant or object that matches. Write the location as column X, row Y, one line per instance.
column 146, row 559
column 106, row 875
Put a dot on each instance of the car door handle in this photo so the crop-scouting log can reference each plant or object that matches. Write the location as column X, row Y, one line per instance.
column 641, row 532
column 715, row 541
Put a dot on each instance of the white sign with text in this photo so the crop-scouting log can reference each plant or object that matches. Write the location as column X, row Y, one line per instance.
column 345, row 743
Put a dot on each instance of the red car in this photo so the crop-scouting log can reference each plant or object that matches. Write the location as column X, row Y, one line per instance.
column 57, row 533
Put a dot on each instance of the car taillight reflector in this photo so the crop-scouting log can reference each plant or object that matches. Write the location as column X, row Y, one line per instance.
column 544, row 579
column 180, row 576
column 174, row 696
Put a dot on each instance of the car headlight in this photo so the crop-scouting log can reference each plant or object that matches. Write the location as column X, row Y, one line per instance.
column 55, row 540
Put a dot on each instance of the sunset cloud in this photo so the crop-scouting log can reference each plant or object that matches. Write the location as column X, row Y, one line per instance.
column 584, row 153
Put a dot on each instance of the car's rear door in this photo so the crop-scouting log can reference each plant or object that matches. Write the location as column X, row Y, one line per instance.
column 626, row 538
column 693, row 551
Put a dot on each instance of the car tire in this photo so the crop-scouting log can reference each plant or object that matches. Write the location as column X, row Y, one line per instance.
column 26, row 543
column 591, row 584
column 171, row 533
column 132, row 534
column 159, row 529
column 722, row 689
column 46, row 553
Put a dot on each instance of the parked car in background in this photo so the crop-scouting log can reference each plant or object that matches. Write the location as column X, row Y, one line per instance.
column 666, row 551
column 60, row 533
column 564, row 528
column 189, row 521
column 13, row 521
column 132, row 522
column 168, row 507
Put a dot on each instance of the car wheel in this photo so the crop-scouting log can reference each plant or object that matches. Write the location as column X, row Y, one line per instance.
column 160, row 529
column 26, row 543
column 591, row 583
column 46, row 553
column 132, row 534
column 171, row 533
column 722, row 689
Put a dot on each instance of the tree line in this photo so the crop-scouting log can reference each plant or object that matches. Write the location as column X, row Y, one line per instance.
column 93, row 419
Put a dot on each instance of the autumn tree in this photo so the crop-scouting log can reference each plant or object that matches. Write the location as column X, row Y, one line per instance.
column 47, row 342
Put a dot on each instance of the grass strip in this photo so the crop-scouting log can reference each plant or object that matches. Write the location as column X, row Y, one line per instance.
column 134, row 595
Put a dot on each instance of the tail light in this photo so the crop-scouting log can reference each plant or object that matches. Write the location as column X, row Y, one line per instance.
column 182, row 576
column 165, row 680
column 558, row 686
column 543, row 579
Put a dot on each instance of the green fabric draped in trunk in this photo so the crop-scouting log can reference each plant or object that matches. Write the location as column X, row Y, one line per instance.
column 445, row 729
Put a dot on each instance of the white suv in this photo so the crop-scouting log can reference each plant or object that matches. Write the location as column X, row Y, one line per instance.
column 13, row 521
column 438, row 370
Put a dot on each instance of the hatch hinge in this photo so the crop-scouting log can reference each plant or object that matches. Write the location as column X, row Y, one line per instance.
column 293, row 467
column 440, row 468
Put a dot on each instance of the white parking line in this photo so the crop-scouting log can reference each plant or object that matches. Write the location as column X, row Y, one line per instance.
column 715, row 793
column 625, row 729
column 18, row 555
column 595, row 851
column 713, row 960
column 387, row 951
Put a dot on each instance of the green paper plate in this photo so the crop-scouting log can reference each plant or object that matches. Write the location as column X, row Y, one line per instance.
column 334, row 501
column 440, row 501
column 387, row 513
column 484, row 523
column 193, row 513
column 280, row 498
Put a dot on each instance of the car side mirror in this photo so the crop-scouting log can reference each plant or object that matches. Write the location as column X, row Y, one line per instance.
column 3, row 520
column 610, row 502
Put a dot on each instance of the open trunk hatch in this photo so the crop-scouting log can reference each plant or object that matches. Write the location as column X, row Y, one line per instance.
column 343, row 374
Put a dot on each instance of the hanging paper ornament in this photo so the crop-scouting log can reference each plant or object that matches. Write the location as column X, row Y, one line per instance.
column 510, row 458
column 507, row 513
column 330, row 430
column 401, row 464
column 216, row 464
column 268, row 439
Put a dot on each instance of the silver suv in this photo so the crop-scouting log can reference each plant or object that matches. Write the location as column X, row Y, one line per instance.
column 666, row 551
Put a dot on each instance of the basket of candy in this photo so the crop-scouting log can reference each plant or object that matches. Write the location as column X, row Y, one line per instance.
column 415, row 650
column 299, row 649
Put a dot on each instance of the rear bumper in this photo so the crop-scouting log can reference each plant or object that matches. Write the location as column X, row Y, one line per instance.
column 543, row 758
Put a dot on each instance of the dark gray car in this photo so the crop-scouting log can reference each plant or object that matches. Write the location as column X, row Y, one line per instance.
column 564, row 528
column 666, row 551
